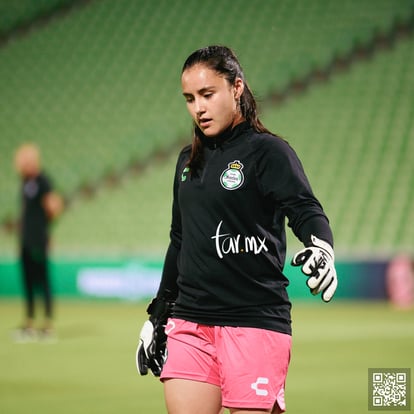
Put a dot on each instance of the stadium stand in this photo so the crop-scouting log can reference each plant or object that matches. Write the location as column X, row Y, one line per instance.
column 98, row 90
column 17, row 15
column 355, row 136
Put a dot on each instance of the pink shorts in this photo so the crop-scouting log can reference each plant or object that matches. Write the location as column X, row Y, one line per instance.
column 248, row 364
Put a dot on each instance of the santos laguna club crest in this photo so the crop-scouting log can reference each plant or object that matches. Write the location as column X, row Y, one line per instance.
column 232, row 178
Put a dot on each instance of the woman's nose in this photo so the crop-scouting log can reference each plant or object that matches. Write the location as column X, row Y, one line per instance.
column 199, row 108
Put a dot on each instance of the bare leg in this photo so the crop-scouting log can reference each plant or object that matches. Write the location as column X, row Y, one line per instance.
column 189, row 397
column 276, row 410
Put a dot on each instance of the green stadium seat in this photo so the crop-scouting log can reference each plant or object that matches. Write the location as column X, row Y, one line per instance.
column 99, row 89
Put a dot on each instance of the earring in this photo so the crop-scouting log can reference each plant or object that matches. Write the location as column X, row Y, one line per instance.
column 238, row 104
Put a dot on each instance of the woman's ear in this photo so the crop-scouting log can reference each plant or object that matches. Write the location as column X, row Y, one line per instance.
column 238, row 88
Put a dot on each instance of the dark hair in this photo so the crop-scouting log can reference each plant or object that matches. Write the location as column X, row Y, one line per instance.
column 222, row 60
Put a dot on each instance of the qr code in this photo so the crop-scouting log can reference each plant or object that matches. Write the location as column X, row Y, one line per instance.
column 389, row 389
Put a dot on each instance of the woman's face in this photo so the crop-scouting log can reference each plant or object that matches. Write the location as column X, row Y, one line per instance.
column 211, row 100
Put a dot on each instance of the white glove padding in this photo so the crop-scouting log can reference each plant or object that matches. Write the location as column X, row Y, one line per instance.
column 317, row 262
column 152, row 346
column 151, row 349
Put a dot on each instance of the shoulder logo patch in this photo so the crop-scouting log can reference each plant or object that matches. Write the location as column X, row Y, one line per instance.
column 232, row 177
column 184, row 173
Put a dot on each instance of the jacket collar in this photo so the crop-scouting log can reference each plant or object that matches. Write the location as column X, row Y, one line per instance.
column 228, row 135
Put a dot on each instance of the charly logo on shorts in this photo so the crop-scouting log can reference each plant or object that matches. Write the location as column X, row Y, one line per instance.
column 256, row 386
column 232, row 178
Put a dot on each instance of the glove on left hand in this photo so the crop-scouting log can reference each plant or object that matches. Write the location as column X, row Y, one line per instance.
column 317, row 262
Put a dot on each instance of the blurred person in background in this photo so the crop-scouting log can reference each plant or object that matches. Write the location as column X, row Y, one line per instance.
column 40, row 205
column 219, row 331
column 400, row 281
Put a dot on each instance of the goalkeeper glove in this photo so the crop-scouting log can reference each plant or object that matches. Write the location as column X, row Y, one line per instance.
column 317, row 262
column 151, row 350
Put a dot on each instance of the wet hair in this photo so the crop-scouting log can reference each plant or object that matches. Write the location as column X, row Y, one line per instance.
column 223, row 61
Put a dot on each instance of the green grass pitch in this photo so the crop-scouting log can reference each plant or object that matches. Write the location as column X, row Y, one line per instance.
column 91, row 368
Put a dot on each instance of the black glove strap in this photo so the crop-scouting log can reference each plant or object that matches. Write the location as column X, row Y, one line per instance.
column 160, row 309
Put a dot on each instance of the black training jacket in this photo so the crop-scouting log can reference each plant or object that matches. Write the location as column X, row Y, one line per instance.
column 227, row 251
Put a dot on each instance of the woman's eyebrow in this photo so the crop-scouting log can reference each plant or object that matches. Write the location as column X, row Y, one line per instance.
column 206, row 89
column 200, row 91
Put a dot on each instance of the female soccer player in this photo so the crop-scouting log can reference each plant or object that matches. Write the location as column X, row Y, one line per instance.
column 222, row 288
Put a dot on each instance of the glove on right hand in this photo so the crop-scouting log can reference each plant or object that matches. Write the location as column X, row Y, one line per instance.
column 151, row 349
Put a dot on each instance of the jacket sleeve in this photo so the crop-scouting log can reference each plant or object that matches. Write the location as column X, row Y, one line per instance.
column 168, row 286
column 284, row 180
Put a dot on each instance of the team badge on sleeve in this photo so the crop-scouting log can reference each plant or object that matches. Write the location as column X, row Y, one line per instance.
column 232, row 178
